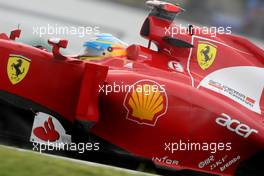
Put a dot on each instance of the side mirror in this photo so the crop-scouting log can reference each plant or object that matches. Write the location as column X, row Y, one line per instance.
column 56, row 44
column 15, row 34
column 61, row 43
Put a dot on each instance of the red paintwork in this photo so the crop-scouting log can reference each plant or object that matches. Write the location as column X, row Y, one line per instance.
column 191, row 112
column 70, row 87
column 57, row 84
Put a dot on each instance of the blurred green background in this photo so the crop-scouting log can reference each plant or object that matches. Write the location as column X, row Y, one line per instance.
column 21, row 163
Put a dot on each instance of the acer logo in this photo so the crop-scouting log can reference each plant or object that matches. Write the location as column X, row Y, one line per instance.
column 235, row 126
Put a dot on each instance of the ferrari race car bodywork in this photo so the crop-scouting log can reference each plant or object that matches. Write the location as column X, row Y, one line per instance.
column 195, row 104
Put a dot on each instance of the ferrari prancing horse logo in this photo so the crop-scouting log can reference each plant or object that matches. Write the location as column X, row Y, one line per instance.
column 17, row 68
column 206, row 54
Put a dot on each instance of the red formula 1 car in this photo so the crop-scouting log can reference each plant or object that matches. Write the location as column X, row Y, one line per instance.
column 194, row 104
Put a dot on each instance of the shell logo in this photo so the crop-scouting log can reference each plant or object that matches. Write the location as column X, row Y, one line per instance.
column 146, row 102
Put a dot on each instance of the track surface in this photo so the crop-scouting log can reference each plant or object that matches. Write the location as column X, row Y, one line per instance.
column 90, row 164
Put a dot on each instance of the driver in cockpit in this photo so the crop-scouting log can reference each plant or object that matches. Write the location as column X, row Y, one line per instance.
column 102, row 47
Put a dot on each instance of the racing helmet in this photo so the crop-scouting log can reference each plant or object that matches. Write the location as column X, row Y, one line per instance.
column 103, row 46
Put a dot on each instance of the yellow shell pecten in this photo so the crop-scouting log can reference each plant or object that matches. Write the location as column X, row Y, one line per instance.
column 147, row 103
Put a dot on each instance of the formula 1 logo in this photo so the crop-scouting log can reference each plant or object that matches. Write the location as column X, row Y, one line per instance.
column 17, row 68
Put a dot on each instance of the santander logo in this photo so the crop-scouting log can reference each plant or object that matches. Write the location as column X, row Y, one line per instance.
column 47, row 132
column 47, row 129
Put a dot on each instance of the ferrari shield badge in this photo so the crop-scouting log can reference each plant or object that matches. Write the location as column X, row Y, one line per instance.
column 146, row 102
column 17, row 68
column 206, row 54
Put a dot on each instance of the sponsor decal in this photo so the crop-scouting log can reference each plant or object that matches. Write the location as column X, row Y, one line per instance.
column 206, row 54
column 175, row 66
column 218, row 162
column 147, row 103
column 47, row 132
column 165, row 160
column 243, row 84
column 206, row 162
column 47, row 129
column 230, row 163
column 235, row 126
column 17, row 68
column 233, row 93
column 221, row 163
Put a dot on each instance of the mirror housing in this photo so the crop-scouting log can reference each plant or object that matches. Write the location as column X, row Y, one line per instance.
column 56, row 44
column 15, row 34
